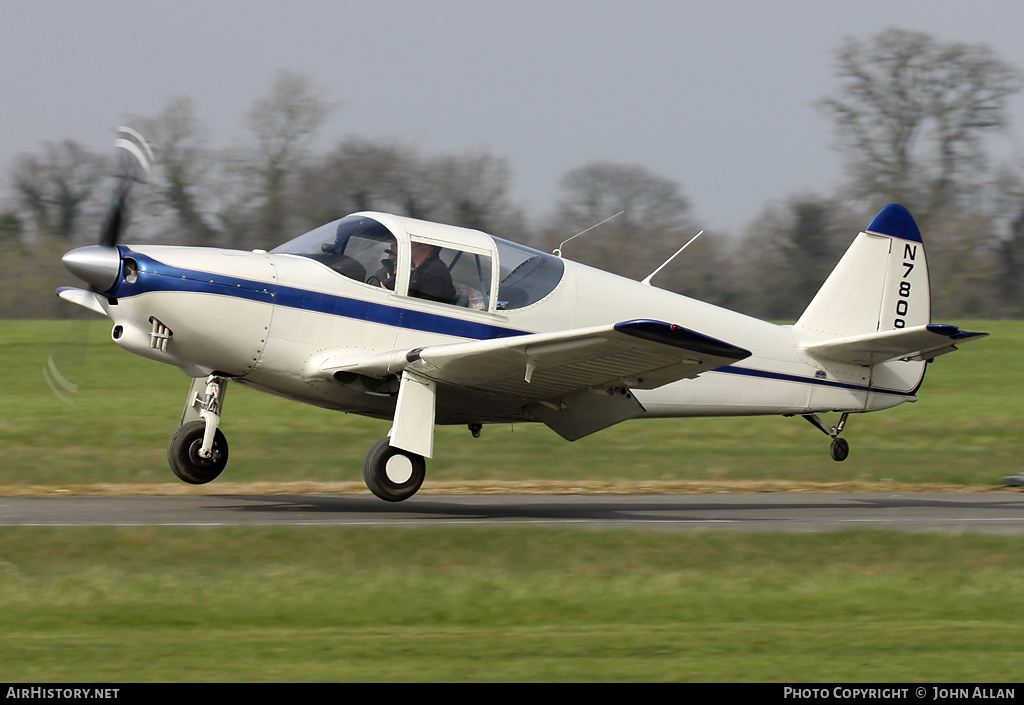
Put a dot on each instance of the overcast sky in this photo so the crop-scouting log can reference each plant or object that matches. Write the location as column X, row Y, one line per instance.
column 714, row 95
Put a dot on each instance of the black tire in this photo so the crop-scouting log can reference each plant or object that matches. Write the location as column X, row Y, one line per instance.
column 183, row 454
column 840, row 449
column 393, row 474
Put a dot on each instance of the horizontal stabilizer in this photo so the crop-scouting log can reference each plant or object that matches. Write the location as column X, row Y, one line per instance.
column 917, row 344
column 83, row 298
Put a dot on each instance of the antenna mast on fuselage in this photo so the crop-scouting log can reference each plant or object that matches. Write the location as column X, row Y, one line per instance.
column 558, row 250
column 664, row 264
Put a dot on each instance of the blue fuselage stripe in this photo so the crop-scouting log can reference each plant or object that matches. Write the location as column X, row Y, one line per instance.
column 155, row 276
column 782, row 377
column 388, row 315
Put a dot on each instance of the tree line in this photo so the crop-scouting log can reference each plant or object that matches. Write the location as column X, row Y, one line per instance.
column 914, row 120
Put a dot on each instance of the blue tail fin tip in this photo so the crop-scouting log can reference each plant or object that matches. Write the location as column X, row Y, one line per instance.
column 895, row 221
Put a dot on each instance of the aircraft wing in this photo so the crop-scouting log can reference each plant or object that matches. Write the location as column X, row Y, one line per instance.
column 637, row 354
column 917, row 343
column 576, row 381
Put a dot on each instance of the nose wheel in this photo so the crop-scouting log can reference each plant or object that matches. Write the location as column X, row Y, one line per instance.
column 391, row 473
column 840, row 448
column 198, row 451
column 183, row 454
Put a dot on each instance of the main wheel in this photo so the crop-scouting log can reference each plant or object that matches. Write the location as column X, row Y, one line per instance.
column 391, row 473
column 183, row 454
column 840, row 449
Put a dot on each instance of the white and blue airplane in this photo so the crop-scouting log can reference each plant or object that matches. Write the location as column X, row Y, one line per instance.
column 425, row 324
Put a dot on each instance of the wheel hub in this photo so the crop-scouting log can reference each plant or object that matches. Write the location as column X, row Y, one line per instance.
column 198, row 460
column 398, row 469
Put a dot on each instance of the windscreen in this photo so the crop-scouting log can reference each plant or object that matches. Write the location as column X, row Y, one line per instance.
column 355, row 246
column 527, row 275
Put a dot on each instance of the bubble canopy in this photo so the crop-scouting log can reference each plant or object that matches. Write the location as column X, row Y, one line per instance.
column 359, row 247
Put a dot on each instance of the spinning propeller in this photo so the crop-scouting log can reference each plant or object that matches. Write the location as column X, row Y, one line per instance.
column 100, row 264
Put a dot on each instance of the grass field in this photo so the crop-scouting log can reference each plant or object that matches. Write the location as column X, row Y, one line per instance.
column 476, row 604
column 963, row 431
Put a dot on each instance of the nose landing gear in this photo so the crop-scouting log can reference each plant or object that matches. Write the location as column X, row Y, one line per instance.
column 198, row 450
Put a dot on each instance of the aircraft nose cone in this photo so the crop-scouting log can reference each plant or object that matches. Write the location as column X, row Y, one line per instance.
column 95, row 264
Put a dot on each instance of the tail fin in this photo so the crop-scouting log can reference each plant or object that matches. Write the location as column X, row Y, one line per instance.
column 875, row 307
column 880, row 284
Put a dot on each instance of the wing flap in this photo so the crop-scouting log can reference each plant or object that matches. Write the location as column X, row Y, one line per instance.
column 916, row 343
column 585, row 411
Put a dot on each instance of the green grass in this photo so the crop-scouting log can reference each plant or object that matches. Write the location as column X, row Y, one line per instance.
column 964, row 430
column 477, row 604
column 326, row 604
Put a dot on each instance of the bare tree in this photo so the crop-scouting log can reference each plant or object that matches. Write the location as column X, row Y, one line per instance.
column 910, row 114
column 472, row 190
column 183, row 169
column 360, row 175
column 655, row 215
column 54, row 188
column 11, row 227
column 284, row 122
column 788, row 252
column 965, row 275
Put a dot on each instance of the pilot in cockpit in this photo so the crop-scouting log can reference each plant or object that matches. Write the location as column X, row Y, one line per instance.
column 385, row 276
column 430, row 278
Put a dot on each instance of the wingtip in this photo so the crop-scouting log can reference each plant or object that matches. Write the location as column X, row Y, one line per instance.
column 955, row 332
column 678, row 336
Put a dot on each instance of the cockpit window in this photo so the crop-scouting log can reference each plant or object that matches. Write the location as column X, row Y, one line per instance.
column 527, row 275
column 471, row 277
column 448, row 276
column 355, row 246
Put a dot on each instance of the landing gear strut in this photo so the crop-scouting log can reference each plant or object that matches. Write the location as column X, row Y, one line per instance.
column 840, row 448
column 198, row 451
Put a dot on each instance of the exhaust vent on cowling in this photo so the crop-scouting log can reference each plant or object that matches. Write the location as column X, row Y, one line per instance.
column 159, row 335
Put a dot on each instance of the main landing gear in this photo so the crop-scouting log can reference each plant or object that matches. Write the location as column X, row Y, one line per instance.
column 198, row 451
column 394, row 474
column 840, row 448
column 391, row 473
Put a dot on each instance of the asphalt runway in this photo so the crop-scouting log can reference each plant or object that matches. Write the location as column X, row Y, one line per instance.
column 996, row 512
